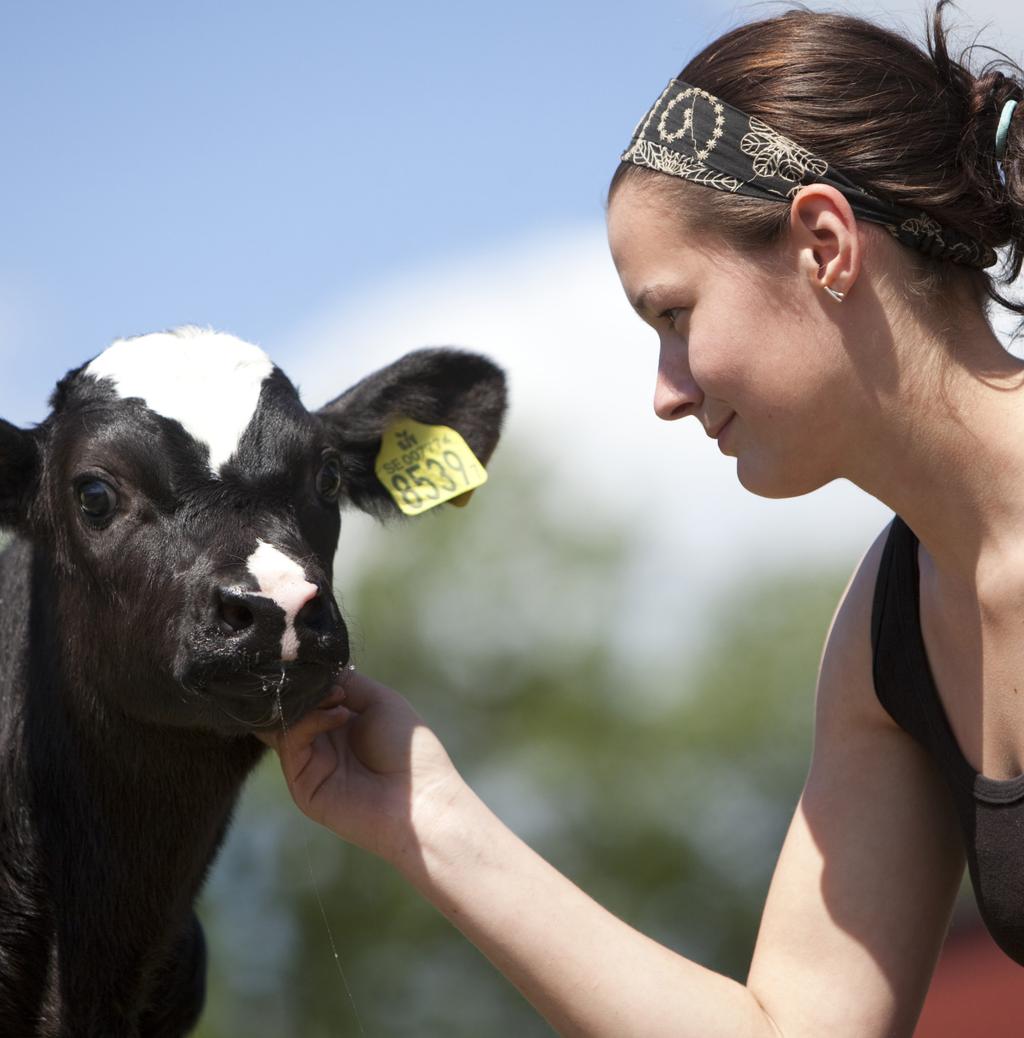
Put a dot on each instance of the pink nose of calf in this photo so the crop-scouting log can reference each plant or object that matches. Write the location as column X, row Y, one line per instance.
column 283, row 588
column 295, row 597
column 250, row 614
column 291, row 596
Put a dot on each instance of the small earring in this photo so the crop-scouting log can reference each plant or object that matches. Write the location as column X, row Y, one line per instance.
column 835, row 293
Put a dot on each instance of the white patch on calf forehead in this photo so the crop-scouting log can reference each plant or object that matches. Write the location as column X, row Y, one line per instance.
column 283, row 580
column 208, row 381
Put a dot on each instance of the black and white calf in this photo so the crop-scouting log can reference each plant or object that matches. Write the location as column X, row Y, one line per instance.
column 166, row 592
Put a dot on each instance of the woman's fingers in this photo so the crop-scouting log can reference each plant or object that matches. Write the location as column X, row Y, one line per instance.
column 310, row 743
column 362, row 692
column 335, row 694
column 322, row 719
column 380, row 740
column 314, row 721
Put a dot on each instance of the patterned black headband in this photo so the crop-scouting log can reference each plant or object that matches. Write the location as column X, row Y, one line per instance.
column 691, row 134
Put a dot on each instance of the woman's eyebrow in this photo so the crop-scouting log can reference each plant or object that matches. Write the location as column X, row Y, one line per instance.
column 639, row 304
column 642, row 301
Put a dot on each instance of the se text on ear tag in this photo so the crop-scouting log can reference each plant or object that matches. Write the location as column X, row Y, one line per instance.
column 423, row 466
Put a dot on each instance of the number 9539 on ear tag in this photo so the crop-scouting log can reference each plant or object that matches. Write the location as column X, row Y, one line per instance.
column 423, row 466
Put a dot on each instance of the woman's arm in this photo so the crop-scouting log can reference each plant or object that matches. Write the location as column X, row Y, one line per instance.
column 863, row 890
column 856, row 914
column 585, row 970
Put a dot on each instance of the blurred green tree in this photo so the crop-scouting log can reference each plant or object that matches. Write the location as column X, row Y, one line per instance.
column 500, row 623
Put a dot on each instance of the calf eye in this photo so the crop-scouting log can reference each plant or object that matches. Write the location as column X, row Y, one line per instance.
column 97, row 500
column 328, row 479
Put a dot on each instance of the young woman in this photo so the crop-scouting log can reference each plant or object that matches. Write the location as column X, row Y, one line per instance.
column 807, row 218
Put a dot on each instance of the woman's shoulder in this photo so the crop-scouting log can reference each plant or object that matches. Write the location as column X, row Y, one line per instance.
column 845, row 679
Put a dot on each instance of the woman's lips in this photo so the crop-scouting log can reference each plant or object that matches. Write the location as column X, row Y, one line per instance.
column 724, row 426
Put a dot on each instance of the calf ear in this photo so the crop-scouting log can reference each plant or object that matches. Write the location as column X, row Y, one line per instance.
column 19, row 461
column 437, row 387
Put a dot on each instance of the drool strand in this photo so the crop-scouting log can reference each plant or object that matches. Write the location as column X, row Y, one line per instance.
column 312, row 876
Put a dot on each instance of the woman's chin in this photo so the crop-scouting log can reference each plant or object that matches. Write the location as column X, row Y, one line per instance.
column 774, row 482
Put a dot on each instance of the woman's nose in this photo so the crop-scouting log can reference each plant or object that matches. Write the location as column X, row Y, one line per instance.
column 675, row 393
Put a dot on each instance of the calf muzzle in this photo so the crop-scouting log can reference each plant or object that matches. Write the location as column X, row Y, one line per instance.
column 283, row 628
column 261, row 656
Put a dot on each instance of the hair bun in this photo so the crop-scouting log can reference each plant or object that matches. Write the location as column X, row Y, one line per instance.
column 992, row 89
column 998, row 181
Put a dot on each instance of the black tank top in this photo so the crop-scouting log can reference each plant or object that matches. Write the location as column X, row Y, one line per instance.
column 991, row 811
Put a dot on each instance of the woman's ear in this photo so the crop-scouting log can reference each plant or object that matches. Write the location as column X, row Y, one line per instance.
column 824, row 233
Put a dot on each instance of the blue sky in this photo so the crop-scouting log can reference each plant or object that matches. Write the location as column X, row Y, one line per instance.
column 244, row 165
column 342, row 182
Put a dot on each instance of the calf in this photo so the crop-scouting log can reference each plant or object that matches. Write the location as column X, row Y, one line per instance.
column 167, row 591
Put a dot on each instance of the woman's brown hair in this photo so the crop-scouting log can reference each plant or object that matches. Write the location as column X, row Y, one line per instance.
column 915, row 126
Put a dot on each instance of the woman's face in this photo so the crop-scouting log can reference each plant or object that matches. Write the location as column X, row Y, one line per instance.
column 746, row 345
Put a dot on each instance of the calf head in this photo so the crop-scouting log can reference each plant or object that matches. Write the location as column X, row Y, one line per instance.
column 187, row 504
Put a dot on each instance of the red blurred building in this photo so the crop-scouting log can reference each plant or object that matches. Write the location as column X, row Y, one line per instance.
column 977, row 990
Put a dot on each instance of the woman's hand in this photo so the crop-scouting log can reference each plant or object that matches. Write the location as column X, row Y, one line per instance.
column 364, row 765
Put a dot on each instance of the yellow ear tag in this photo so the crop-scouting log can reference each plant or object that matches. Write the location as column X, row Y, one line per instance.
column 423, row 466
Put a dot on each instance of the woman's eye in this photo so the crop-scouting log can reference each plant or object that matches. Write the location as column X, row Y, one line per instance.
column 97, row 500
column 328, row 479
column 672, row 313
